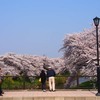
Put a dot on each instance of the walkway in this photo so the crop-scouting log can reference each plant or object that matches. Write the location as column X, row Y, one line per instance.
column 58, row 95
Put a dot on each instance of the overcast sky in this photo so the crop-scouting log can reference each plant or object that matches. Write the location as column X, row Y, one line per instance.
column 38, row 27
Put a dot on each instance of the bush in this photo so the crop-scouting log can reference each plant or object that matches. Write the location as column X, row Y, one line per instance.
column 60, row 80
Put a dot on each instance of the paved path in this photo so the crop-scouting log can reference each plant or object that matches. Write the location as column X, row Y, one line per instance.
column 58, row 93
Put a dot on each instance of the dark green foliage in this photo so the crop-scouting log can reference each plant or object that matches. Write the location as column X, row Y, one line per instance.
column 86, row 85
column 20, row 82
column 89, row 84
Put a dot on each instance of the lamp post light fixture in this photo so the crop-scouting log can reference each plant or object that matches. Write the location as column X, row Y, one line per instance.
column 96, row 23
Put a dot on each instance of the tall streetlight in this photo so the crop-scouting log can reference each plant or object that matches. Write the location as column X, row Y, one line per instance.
column 96, row 22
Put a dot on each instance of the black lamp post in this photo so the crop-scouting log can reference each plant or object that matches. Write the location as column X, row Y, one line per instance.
column 96, row 22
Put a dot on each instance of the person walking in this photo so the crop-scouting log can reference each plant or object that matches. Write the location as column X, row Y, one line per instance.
column 51, row 78
column 43, row 80
column 1, row 91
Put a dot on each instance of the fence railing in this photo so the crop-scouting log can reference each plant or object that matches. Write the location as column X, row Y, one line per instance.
column 32, row 82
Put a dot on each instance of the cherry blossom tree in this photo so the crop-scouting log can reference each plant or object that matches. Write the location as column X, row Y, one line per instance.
column 29, row 65
column 80, row 53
